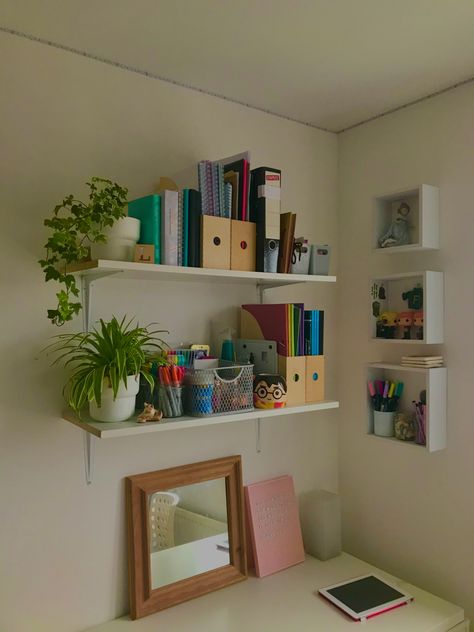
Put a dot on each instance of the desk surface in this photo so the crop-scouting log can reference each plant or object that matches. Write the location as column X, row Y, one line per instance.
column 287, row 601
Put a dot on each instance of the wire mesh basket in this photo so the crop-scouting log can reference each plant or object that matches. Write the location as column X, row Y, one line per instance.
column 227, row 389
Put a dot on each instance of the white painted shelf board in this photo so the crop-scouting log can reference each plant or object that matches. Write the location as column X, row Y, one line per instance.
column 395, row 440
column 407, row 248
column 148, row 271
column 401, row 367
column 104, row 430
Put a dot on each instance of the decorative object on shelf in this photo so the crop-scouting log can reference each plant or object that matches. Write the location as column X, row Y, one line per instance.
column 404, row 322
column 404, row 426
column 422, row 362
column 319, row 259
column 420, row 416
column 418, row 324
column 186, row 533
column 150, row 414
column 107, row 363
column 121, row 239
column 274, row 525
column 387, row 324
column 300, row 257
column 144, row 253
column 269, row 391
column 398, row 233
column 414, row 297
column 84, row 223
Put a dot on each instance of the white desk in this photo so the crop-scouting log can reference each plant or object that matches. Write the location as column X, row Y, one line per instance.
column 287, row 601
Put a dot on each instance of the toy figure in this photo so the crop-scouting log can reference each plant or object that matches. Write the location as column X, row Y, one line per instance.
column 149, row 414
column 386, row 325
column 269, row 391
column 398, row 233
column 418, row 323
column 404, row 322
column 414, row 297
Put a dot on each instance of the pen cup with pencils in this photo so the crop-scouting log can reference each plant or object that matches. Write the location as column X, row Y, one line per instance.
column 385, row 397
column 170, row 390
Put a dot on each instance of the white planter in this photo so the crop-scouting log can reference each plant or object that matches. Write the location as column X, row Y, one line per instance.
column 120, row 409
column 121, row 240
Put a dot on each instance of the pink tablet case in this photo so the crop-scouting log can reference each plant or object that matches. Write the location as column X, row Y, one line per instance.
column 274, row 525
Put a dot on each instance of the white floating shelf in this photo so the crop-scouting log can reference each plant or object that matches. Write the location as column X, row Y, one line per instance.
column 126, row 428
column 149, row 271
column 394, row 287
column 434, row 381
column 423, row 218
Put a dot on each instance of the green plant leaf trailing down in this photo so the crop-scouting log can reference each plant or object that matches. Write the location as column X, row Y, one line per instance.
column 105, row 357
column 74, row 225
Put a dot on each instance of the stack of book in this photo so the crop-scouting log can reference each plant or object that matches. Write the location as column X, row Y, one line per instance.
column 422, row 362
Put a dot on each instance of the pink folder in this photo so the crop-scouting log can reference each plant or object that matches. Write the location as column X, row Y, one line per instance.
column 274, row 525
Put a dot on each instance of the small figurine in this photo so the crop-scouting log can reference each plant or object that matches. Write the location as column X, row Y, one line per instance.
column 269, row 391
column 398, row 233
column 414, row 297
column 386, row 325
column 418, row 323
column 149, row 414
column 404, row 322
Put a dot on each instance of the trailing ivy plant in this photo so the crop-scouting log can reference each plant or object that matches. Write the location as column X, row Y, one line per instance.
column 75, row 225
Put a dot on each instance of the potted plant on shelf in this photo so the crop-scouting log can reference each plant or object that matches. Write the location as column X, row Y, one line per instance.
column 106, row 366
column 101, row 224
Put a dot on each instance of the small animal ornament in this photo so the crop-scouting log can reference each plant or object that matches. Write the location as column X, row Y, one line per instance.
column 149, row 414
column 269, row 391
column 398, row 233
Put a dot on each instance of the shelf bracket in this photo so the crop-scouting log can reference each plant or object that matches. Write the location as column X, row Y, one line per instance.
column 86, row 291
column 89, row 456
column 258, row 436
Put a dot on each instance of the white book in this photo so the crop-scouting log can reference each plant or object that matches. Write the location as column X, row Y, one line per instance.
column 180, row 228
column 169, row 228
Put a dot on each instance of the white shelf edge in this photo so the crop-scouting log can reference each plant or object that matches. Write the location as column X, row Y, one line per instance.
column 395, row 440
column 130, row 268
column 401, row 367
column 408, row 248
column 104, row 430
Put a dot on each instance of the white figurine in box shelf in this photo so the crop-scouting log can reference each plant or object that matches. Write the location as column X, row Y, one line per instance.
column 398, row 233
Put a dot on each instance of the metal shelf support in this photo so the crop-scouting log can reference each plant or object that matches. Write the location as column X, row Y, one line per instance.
column 89, row 449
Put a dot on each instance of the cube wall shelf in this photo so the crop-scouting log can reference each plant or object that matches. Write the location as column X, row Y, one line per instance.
column 407, row 294
column 417, row 207
column 433, row 381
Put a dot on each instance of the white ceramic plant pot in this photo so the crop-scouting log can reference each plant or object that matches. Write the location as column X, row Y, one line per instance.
column 121, row 240
column 120, row 408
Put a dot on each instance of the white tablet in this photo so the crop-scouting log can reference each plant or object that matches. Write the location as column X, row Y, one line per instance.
column 365, row 597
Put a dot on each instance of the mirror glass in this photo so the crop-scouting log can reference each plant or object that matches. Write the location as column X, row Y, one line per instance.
column 188, row 531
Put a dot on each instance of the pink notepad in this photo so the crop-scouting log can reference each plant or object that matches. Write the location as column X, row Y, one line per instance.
column 274, row 525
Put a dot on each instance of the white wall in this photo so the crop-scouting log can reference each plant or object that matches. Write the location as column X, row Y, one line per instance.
column 64, row 118
column 405, row 510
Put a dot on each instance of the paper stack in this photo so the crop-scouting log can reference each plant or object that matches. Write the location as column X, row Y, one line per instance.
column 422, row 362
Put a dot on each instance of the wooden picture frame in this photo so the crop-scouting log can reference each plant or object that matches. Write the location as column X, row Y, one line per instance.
column 143, row 599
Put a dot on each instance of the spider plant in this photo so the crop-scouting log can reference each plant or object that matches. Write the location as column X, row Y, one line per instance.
column 105, row 357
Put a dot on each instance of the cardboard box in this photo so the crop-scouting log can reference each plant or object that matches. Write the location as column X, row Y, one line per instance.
column 243, row 245
column 314, row 378
column 215, row 242
column 293, row 369
column 144, row 253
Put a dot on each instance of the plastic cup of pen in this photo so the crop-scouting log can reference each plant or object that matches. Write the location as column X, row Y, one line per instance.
column 170, row 400
column 384, row 423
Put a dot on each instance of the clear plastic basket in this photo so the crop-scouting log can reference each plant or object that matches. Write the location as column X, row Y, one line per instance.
column 226, row 389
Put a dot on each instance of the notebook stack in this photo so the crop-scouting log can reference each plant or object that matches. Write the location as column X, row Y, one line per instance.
column 422, row 362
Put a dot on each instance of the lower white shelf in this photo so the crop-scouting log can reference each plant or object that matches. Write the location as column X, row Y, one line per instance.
column 104, row 430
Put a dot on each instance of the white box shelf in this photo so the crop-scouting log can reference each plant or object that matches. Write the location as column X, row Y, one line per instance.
column 433, row 381
column 386, row 295
column 423, row 218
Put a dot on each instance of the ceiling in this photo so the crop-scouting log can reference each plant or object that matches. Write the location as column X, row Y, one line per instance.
column 329, row 63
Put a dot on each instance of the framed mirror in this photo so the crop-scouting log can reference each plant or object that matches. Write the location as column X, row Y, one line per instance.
column 186, row 533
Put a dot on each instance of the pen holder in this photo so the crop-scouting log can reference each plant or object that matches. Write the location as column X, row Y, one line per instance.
column 170, row 400
column 383, row 423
